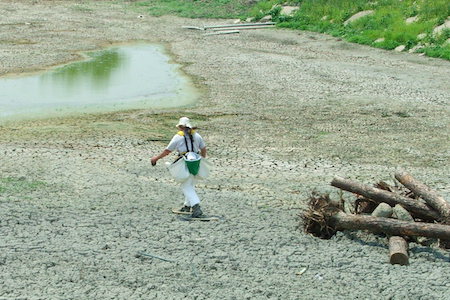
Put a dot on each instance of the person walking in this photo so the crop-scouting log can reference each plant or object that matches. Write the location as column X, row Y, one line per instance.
column 187, row 140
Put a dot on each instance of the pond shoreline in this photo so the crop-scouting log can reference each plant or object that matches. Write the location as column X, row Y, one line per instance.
column 117, row 78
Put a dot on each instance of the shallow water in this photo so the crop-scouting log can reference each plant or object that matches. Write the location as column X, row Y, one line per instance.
column 125, row 77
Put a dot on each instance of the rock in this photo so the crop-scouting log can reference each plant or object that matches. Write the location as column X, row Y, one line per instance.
column 358, row 16
column 267, row 18
column 415, row 48
column 412, row 20
column 248, row 20
column 324, row 18
column 383, row 210
column 421, row 36
column 400, row 48
column 439, row 29
column 288, row 10
column 237, row 21
column 380, row 40
column 401, row 213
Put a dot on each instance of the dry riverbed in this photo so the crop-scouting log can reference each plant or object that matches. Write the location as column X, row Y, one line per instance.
column 282, row 113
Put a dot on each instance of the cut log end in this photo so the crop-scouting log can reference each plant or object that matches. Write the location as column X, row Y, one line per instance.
column 398, row 251
column 399, row 259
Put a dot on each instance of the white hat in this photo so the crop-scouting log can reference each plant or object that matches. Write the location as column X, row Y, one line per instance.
column 184, row 121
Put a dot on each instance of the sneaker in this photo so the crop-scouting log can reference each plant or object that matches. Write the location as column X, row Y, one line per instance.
column 185, row 209
column 196, row 211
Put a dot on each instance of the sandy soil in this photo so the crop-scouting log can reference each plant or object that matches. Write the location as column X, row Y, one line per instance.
column 282, row 113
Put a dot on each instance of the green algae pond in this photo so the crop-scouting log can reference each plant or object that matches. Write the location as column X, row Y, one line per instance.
column 117, row 78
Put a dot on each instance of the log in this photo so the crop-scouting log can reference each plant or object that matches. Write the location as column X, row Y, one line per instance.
column 243, row 28
column 398, row 246
column 239, row 25
column 398, row 251
column 323, row 219
column 341, row 221
column 417, row 208
column 431, row 197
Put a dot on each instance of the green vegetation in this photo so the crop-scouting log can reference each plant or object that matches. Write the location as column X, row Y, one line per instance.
column 18, row 185
column 385, row 28
column 131, row 124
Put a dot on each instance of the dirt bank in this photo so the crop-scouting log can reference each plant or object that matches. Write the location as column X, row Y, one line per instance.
column 282, row 113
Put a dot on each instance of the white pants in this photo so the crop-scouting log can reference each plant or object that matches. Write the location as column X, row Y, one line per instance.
column 190, row 195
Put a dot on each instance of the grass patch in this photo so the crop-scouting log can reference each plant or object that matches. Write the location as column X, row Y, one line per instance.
column 18, row 42
column 402, row 114
column 81, row 8
column 437, row 51
column 385, row 28
column 133, row 124
column 18, row 185
column 323, row 134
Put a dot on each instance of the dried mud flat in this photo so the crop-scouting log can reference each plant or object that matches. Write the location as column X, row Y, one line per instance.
column 282, row 112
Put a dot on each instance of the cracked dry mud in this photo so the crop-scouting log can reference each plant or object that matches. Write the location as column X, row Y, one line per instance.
column 282, row 113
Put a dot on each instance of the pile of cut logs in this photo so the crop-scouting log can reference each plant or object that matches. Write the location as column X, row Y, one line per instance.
column 405, row 213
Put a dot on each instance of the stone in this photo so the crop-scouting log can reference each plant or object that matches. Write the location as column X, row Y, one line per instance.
column 288, row 10
column 267, row 18
column 415, row 48
column 380, row 40
column 358, row 16
column 439, row 29
column 421, row 36
column 400, row 48
column 383, row 210
column 412, row 20
column 324, row 18
column 401, row 213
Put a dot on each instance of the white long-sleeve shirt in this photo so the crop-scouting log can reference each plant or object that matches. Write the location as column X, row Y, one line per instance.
column 178, row 143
